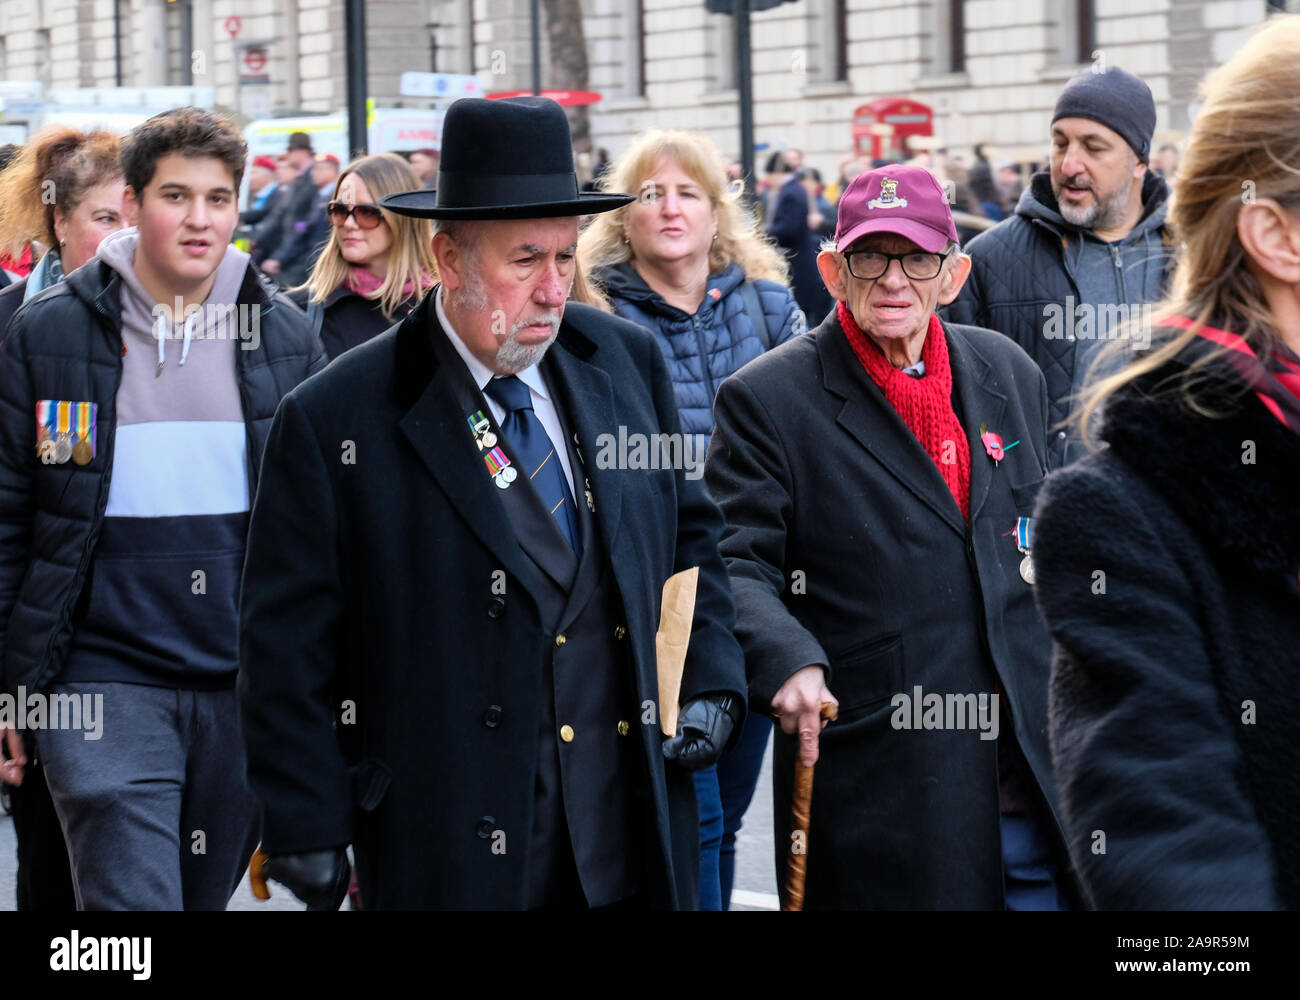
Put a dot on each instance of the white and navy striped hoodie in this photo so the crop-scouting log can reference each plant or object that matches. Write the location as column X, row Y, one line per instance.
column 161, row 603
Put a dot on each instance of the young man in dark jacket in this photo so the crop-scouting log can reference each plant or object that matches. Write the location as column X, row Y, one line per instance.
column 1086, row 250
column 152, row 373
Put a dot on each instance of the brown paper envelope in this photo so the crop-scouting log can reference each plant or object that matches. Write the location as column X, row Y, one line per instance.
column 674, row 635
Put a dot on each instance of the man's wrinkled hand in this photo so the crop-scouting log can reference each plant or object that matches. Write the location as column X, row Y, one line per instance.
column 318, row 878
column 798, row 707
column 15, row 759
column 703, row 729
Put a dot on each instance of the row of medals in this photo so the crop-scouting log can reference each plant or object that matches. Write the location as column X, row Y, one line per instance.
column 58, row 448
column 488, row 440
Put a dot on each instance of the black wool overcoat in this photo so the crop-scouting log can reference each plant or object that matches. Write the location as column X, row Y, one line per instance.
column 846, row 548
column 382, row 571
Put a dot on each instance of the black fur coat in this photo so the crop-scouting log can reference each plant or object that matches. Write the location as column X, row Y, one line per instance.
column 1167, row 573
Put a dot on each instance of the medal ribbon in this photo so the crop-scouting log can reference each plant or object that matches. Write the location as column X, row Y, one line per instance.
column 1024, row 533
column 43, row 412
column 65, row 414
column 478, row 423
column 495, row 460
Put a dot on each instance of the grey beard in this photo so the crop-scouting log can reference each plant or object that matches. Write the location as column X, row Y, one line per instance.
column 1103, row 215
column 513, row 357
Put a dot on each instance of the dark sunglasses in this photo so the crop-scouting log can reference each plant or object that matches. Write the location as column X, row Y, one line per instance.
column 367, row 216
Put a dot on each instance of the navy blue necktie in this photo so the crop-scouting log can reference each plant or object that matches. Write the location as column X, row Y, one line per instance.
column 536, row 453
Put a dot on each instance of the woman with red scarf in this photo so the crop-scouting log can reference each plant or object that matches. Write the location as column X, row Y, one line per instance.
column 1169, row 562
column 877, row 476
column 376, row 266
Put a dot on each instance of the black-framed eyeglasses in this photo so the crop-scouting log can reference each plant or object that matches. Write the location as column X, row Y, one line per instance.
column 367, row 216
column 871, row 264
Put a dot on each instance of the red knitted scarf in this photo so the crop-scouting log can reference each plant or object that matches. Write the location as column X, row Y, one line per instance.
column 925, row 404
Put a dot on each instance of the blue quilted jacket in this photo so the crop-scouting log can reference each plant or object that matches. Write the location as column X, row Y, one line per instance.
column 706, row 348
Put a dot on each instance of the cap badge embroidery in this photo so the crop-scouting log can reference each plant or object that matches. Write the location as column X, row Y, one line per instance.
column 888, row 196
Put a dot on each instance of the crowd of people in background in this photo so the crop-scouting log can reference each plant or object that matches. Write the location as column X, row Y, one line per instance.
column 895, row 376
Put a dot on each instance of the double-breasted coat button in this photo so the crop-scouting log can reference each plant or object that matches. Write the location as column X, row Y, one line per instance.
column 492, row 717
column 560, row 640
column 620, row 632
column 623, row 727
column 566, row 733
column 485, row 827
column 496, row 607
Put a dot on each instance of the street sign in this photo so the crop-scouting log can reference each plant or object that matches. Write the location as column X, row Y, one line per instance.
column 569, row 98
column 440, row 86
column 233, row 24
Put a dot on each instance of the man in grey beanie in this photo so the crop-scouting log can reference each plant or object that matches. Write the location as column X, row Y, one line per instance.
column 1086, row 250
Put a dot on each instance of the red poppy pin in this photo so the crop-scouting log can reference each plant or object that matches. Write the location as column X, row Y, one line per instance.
column 993, row 444
column 716, row 293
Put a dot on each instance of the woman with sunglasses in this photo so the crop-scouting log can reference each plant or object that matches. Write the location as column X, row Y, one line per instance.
column 375, row 266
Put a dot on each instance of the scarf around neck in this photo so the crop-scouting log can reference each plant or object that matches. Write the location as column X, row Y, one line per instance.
column 924, row 404
column 366, row 284
column 1276, row 381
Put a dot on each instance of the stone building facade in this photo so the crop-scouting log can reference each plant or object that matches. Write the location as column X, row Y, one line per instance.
column 989, row 69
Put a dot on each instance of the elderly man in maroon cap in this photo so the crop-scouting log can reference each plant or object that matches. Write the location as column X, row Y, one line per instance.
column 878, row 477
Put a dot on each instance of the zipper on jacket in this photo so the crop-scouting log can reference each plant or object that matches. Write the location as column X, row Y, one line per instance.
column 704, row 359
column 45, row 678
column 1119, row 274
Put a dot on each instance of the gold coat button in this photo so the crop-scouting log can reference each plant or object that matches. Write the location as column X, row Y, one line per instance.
column 566, row 733
column 620, row 632
column 623, row 727
column 560, row 640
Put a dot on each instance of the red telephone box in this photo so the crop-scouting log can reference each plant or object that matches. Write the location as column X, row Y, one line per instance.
column 880, row 127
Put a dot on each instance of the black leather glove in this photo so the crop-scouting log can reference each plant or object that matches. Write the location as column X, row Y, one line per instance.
column 318, row 878
column 703, row 729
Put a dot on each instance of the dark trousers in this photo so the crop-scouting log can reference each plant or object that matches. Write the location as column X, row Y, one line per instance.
column 44, row 876
column 157, row 813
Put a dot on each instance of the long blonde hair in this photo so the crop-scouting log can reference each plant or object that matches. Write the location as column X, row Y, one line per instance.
column 410, row 258
column 1245, row 144
column 740, row 239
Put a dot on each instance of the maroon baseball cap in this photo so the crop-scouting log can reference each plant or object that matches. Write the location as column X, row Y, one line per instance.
column 896, row 199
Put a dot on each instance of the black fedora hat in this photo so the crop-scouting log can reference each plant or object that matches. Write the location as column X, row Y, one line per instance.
column 506, row 159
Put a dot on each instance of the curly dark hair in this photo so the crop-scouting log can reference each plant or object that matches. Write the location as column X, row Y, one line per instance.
column 187, row 131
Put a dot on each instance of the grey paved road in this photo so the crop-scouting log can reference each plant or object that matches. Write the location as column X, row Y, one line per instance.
column 755, row 881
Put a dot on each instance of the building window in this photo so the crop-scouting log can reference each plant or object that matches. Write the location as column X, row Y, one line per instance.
column 723, row 75
column 947, row 43
column 828, row 41
column 1085, row 26
column 43, row 62
column 956, row 36
column 634, row 57
column 1077, row 32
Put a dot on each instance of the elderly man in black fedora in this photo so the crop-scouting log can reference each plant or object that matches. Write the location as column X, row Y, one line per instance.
column 450, row 601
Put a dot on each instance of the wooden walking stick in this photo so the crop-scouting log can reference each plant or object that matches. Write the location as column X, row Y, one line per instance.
column 256, row 878
column 800, row 820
